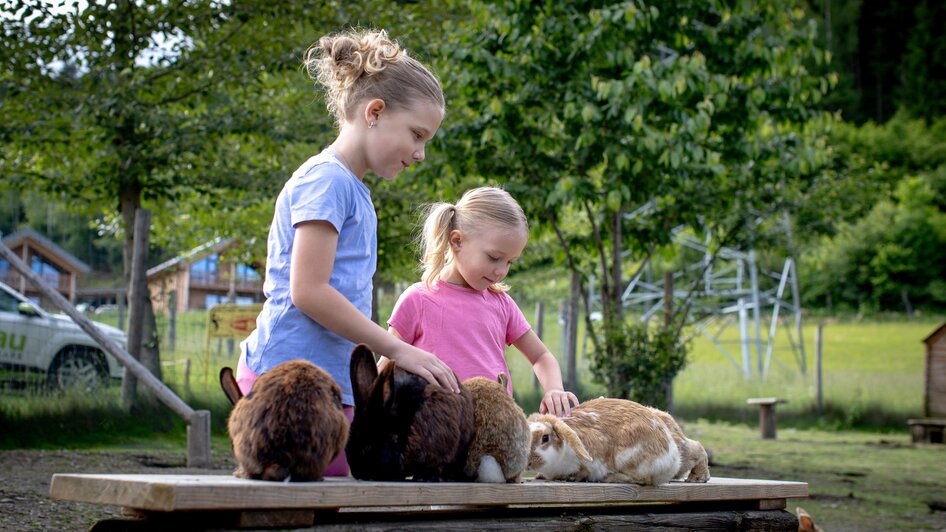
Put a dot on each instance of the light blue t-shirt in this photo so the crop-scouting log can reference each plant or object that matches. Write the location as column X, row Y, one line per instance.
column 321, row 189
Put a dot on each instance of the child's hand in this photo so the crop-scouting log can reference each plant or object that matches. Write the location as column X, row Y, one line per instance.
column 558, row 402
column 426, row 365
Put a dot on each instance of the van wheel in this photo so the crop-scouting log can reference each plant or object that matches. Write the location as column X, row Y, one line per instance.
column 78, row 368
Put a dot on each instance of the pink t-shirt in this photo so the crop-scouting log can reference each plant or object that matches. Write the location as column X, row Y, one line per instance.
column 466, row 328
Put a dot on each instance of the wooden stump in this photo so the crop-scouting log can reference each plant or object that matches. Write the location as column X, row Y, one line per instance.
column 767, row 424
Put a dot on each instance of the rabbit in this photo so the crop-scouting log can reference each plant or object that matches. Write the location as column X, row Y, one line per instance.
column 805, row 522
column 290, row 426
column 615, row 440
column 500, row 448
column 404, row 426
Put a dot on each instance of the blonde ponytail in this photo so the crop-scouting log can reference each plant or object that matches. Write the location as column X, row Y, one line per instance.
column 435, row 241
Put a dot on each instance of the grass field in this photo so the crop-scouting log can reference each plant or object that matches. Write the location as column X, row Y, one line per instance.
column 872, row 375
column 858, row 479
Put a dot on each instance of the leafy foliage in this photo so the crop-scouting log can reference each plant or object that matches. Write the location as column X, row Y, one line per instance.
column 645, row 357
column 884, row 249
column 692, row 113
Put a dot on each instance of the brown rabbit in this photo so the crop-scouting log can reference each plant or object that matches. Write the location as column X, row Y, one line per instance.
column 290, row 426
column 499, row 451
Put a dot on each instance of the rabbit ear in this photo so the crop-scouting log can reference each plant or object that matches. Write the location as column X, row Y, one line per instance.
column 387, row 384
column 363, row 371
column 571, row 438
column 503, row 380
column 229, row 385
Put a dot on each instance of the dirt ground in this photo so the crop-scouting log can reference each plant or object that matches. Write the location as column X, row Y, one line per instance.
column 25, row 477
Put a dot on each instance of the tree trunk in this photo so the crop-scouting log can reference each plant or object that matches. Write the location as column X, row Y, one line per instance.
column 149, row 354
column 617, row 249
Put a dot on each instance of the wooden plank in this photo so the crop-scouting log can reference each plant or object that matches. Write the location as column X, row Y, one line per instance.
column 169, row 493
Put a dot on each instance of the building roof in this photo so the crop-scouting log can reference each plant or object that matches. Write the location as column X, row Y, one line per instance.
column 934, row 334
column 216, row 245
column 52, row 251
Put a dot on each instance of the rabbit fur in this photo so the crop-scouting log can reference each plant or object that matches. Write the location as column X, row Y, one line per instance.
column 615, row 440
column 290, row 426
column 404, row 426
column 500, row 448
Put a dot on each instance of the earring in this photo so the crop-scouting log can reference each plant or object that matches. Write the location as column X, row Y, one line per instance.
column 370, row 124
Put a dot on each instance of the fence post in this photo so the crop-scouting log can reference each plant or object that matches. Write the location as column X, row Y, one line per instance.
column 539, row 331
column 187, row 374
column 819, row 337
column 120, row 305
column 571, row 350
column 198, row 440
column 172, row 320
column 668, row 322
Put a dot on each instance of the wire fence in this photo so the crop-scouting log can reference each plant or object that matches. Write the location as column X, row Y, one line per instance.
column 191, row 349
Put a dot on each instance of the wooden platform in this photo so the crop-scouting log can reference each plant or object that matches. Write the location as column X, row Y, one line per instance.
column 225, row 501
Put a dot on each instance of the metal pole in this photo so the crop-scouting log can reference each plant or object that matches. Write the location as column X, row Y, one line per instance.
column 796, row 302
column 754, row 280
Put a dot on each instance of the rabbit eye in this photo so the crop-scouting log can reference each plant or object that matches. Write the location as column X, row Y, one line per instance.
column 545, row 438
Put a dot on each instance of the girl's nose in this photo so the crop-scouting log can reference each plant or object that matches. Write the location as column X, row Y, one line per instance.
column 419, row 155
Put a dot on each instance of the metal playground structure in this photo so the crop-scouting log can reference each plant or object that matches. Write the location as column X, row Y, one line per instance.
column 728, row 289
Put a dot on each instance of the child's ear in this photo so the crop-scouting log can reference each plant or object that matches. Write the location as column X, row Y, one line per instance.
column 373, row 110
column 455, row 238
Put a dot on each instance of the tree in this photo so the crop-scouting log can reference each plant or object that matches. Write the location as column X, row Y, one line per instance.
column 126, row 103
column 887, row 55
column 196, row 110
column 884, row 249
column 694, row 112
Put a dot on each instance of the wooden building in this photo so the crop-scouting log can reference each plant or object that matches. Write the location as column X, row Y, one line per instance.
column 934, row 394
column 932, row 428
column 59, row 268
column 203, row 277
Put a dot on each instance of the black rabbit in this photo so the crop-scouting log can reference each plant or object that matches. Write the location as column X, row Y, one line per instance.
column 404, row 426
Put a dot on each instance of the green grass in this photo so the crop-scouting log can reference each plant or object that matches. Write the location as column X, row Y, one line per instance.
column 856, row 480
column 872, row 371
column 872, row 375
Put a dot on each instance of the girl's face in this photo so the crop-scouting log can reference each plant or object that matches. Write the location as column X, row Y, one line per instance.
column 399, row 137
column 483, row 258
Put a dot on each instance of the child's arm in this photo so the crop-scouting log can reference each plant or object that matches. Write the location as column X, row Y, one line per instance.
column 556, row 400
column 313, row 256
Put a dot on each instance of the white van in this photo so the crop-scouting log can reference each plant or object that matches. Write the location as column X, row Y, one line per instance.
column 51, row 347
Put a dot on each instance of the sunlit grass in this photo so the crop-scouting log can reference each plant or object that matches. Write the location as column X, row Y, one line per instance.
column 872, row 371
column 872, row 374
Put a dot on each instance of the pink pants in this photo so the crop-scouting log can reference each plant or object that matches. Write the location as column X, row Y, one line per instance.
column 245, row 378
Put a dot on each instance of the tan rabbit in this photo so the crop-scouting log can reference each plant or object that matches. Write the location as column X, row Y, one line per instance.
column 500, row 449
column 614, row 440
column 290, row 426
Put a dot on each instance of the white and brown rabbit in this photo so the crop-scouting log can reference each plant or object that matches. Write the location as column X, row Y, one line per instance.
column 290, row 426
column 615, row 440
column 500, row 449
column 404, row 426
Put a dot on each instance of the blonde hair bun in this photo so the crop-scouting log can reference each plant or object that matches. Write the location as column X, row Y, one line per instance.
column 358, row 65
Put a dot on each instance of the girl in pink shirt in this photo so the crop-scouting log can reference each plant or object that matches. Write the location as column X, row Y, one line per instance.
column 460, row 311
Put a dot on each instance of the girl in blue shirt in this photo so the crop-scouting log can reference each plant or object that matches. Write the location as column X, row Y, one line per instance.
column 322, row 246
